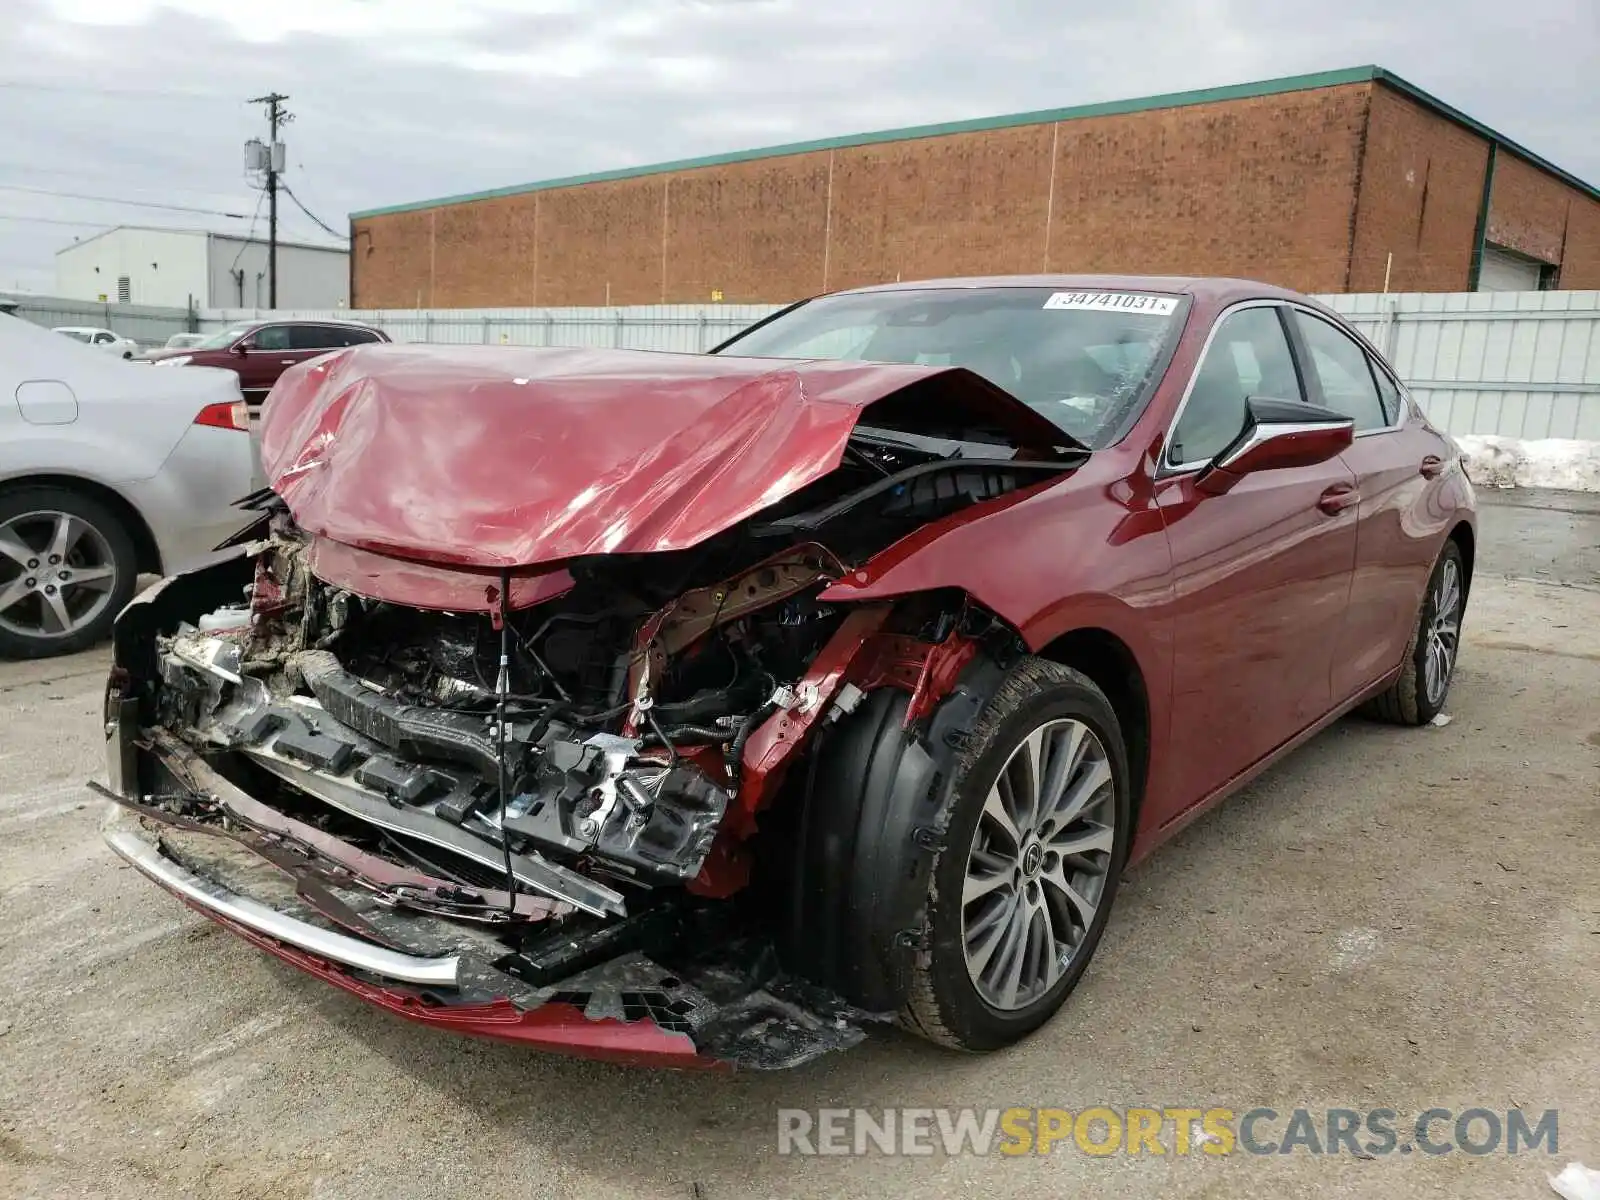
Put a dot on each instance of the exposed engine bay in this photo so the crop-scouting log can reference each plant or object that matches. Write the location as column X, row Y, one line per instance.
column 583, row 795
column 618, row 754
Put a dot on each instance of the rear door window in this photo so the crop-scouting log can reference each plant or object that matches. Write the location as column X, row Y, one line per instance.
column 271, row 337
column 315, row 337
column 1388, row 394
column 1343, row 371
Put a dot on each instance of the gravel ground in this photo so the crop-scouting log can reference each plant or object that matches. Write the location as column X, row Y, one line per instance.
column 1391, row 918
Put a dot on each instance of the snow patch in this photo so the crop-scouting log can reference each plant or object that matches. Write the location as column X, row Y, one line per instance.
column 1576, row 1182
column 1569, row 464
column 1354, row 948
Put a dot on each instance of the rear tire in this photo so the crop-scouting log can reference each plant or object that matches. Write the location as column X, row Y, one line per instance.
column 60, row 607
column 1420, row 693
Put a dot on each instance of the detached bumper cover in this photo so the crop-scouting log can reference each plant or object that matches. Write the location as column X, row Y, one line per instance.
column 217, row 901
column 716, row 1014
column 417, row 988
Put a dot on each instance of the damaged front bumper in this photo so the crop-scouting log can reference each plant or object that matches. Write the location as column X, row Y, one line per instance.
column 424, row 948
column 243, row 913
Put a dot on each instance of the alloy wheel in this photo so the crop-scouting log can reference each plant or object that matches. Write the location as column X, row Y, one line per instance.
column 1443, row 632
column 1038, row 864
column 57, row 574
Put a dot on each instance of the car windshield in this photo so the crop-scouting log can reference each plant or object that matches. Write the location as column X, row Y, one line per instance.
column 224, row 339
column 1086, row 360
column 77, row 335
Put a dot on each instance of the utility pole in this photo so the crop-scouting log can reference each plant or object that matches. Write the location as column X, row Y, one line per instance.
column 275, row 162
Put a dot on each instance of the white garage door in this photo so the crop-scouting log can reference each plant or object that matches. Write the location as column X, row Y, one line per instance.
column 1503, row 271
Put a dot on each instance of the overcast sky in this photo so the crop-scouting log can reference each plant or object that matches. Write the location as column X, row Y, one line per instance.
column 399, row 100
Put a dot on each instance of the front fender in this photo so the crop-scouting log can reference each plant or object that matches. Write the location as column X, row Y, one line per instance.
column 1087, row 552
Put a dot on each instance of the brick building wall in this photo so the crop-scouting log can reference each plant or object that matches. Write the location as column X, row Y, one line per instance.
column 1539, row 216
column 1319, row 188
column 1580, row 261
column 1421, row 190
column 1421, row 187
column 1259, row 188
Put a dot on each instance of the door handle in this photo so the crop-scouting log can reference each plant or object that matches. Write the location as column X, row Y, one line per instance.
column 288, row 362
column 1338, row 497
column 1432, row 467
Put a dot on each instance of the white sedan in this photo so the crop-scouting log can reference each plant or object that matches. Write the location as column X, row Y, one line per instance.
column 100, row 339
column 108, row 470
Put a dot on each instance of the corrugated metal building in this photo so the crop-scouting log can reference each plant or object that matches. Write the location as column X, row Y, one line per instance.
column 137, row 264
column 1343, row 181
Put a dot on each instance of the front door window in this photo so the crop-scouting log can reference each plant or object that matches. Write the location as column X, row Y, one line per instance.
column 1248, row 356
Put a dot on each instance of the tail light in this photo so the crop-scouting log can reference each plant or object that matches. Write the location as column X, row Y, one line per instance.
column 224, row 416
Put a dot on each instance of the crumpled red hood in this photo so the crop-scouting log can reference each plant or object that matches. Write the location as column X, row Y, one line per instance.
column 494, row 456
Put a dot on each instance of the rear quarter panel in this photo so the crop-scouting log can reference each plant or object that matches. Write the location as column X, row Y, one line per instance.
column 189, row 503
column 130, row 416
column 133, row 433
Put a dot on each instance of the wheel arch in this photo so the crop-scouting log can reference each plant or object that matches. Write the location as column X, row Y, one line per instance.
column 144, row 541
column 1109, row 661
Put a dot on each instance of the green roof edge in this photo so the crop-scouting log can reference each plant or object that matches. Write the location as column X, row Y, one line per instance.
column 1111, row 108
column 1428, row 100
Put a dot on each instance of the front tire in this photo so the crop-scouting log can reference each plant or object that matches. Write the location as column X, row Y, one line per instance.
column 67, row 567
column 1039, row 828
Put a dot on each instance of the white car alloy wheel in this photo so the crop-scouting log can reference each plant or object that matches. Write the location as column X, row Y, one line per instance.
column 57, row 574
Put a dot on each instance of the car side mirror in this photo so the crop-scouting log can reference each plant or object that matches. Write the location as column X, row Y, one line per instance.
column 1276, row 434
column 241, row 346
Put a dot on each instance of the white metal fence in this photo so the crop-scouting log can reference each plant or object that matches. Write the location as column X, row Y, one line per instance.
column 146, row 324
column 1516, row 364
column 685, row 327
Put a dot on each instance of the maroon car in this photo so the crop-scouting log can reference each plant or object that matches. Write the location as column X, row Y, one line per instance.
column 709, row 709
column 261, row 351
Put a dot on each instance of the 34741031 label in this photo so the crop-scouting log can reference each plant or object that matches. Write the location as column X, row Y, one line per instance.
column 1134, row 302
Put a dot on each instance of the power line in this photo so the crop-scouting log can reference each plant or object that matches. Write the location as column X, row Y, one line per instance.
column 35, row 169
column 249, row 234
column 57, row 221
column 210, row 212
column 106, row 226
column 316, row 219
column 149, row 93
column 110, row 176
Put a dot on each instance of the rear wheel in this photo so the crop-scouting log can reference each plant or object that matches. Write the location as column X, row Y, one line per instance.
column 67, row 567
column 1424, row 684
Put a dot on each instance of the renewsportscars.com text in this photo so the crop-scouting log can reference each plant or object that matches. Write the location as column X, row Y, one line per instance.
column 1100, row 1131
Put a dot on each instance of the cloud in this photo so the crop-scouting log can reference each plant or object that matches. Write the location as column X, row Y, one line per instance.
column 409, row 99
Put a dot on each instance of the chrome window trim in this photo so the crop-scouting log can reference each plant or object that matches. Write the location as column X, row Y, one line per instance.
column 1167, row 466
column 1265, row 433
column 1375, row 361
column 1400, row 418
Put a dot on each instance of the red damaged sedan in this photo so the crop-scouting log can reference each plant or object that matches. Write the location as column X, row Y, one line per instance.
column 711, row 708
